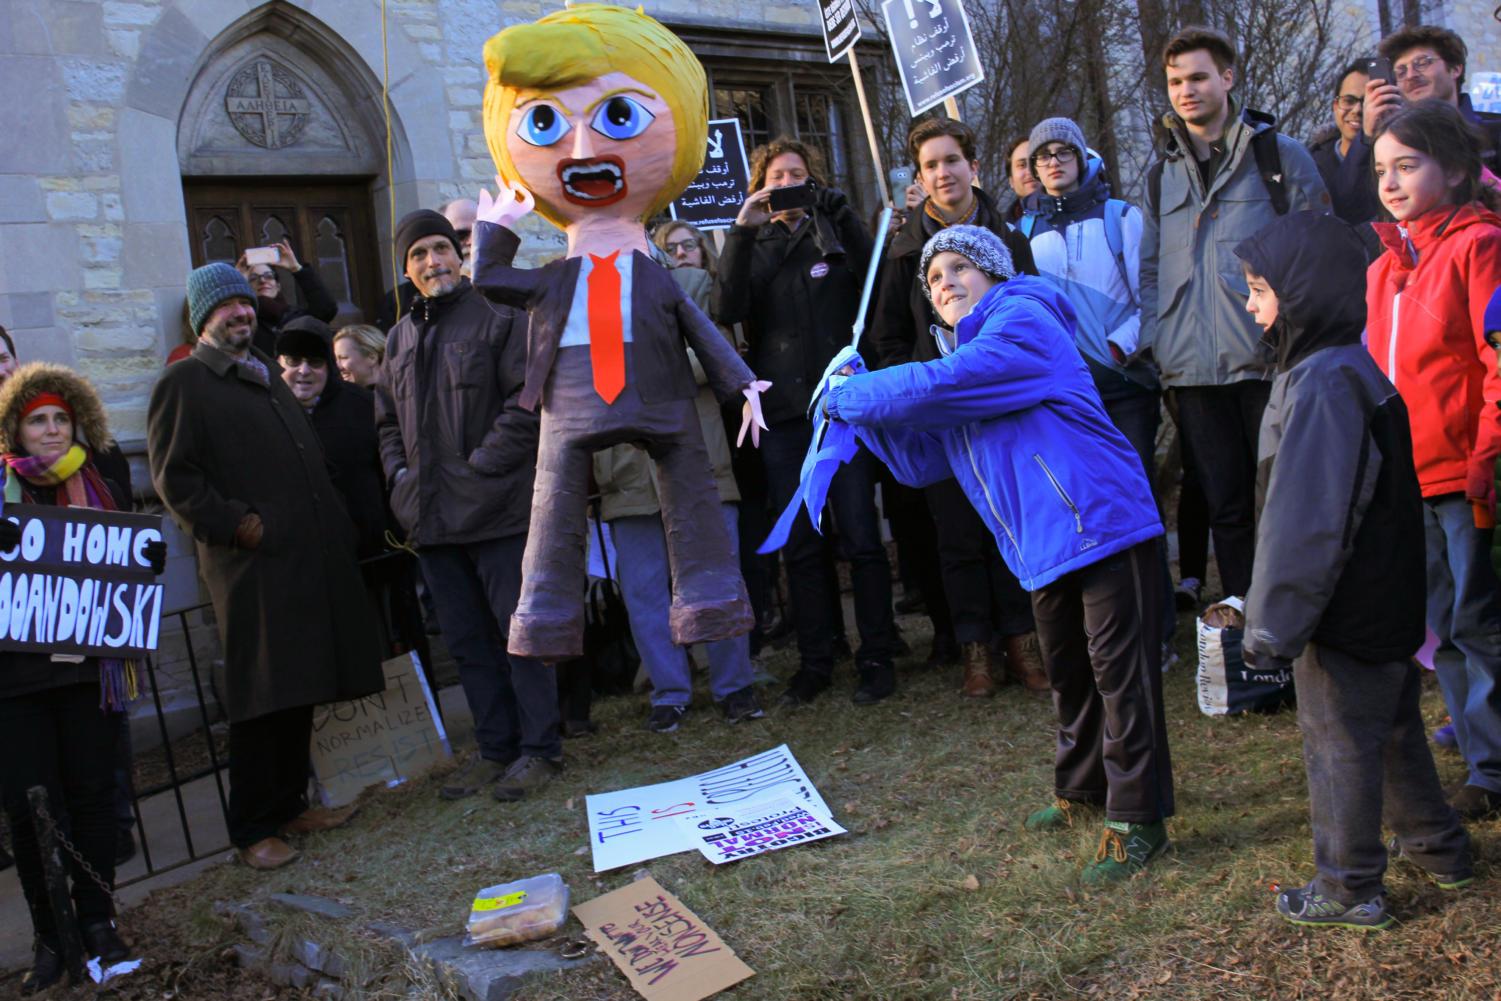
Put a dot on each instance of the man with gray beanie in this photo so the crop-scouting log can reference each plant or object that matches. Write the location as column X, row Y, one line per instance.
column 237, row 464
column 460, row 453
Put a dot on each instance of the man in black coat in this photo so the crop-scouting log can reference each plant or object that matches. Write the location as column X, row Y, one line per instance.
column 1352, row 202
column 980, row 596
column 460, row 454
column 793, row 279
column 237, row 464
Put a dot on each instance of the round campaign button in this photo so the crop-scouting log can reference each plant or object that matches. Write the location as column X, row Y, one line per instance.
column 818, row 270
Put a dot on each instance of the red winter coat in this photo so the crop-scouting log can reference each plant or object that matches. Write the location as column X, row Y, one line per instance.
column 1423, row 327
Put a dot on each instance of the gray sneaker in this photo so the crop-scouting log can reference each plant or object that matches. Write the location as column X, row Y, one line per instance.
column 1307, row 907
column 471, row 777
column 1458, row 879
column 525, row 776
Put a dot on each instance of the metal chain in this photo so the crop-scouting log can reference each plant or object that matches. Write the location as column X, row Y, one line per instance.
column 68, row 847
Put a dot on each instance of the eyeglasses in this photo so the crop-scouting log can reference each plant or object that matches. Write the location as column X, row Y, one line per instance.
column 264, row 278
column 462, row 234
column 680, row 246
column 1062, row 155
column 1348, row 101
column 1418, row 65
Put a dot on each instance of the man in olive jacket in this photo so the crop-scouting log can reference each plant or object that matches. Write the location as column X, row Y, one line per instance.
column 239, row 466
column 460, row 454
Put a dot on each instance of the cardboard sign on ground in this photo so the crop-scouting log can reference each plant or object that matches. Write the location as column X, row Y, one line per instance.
column 665, row 950
column 740, row 832
column 633, row 825
column 385, row 738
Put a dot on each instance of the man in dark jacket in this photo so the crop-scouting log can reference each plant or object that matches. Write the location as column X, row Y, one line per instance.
column 343, row 414
column 237, row 464
column 460, row 451
column 983, row 597
column 1338, row 584
column 1352, row 202
column 794, row 278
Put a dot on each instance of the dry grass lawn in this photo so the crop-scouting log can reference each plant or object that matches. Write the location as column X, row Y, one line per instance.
column 933, row 791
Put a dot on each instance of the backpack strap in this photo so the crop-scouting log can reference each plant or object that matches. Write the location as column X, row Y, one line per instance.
column 1154, row 187
column 1269, row 166
column 1115, row 214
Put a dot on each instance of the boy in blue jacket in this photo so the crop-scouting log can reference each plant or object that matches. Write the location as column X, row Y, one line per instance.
column 1010, row 411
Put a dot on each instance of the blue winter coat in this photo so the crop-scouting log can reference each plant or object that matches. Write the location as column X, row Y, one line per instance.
column 1013, row 415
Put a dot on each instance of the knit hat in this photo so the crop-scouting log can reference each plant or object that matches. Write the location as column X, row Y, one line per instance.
column 1493, row 314
column 1056, row 130
column 423, row 222
column 977, row 243
column 306, row 337
column 211, row 285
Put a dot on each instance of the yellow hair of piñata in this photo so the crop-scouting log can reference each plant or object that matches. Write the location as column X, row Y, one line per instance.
column 579, row 43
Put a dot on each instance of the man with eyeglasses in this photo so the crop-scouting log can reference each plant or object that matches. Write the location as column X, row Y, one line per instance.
column 272, row 310
column 1427, row 62
column 1354, row 203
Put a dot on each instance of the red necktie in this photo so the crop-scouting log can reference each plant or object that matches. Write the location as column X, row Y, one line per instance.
column 606, row 336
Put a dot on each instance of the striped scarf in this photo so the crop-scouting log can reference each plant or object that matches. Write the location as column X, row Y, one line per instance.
column 78, row 484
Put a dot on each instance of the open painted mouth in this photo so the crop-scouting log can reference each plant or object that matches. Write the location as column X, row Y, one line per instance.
column 594, row 182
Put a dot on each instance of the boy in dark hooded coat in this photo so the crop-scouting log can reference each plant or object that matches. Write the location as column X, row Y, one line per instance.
column 1337, row 587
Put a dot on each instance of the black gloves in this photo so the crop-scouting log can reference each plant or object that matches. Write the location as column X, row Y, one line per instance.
column 156, row 555
column 10, row 535
column 829, row 201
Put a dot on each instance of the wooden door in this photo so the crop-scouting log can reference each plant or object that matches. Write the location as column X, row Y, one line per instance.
column 328, row 225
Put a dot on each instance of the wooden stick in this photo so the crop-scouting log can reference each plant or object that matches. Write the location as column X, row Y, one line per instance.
column 951, row 105
column 870, row 130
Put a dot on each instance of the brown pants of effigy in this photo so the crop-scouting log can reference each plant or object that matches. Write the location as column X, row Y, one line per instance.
column 708, row 595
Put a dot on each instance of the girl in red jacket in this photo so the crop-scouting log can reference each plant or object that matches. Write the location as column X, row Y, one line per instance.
column 1426, row 298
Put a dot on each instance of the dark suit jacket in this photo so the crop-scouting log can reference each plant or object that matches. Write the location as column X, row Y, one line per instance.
column 663, row 321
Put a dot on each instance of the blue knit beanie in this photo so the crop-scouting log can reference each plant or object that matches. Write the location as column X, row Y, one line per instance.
column 1493, row 313
column 211, row 285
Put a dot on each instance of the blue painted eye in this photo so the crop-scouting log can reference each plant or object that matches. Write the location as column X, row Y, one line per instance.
column 541, row 125
column 621, row 118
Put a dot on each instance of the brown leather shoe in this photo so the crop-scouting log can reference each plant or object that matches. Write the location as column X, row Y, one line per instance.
column 1024, row 663
column 318, row 818
column 978, row 683
column 269, row 853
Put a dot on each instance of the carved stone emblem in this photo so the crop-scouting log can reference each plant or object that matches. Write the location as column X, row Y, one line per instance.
column 267, row 105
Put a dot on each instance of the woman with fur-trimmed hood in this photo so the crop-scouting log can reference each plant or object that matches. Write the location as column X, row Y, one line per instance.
column 59, row 713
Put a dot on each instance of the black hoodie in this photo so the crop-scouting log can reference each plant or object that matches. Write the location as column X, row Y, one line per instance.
column 1339, row 538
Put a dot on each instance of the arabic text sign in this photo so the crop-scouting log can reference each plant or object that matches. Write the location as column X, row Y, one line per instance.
column 841, row 27
column 633, row 825
column 79, row 583
column 755, row 829
column 935, row 51
column 712, row 200
column 666, row 950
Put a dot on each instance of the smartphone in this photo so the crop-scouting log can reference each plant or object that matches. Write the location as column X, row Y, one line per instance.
column 1380, row 68
column 263, row 255
column 798, row 196
column 901, row 180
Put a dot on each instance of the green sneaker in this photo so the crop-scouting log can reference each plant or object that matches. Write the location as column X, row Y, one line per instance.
column 1307, row 907
column 1058, row 817
column 1125, row 849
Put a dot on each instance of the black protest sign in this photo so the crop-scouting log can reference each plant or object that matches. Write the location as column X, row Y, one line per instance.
column 935, row 51
column 841, row 28
column 80, row 583
column 713, row 200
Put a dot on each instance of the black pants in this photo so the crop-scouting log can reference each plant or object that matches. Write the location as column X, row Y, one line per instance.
column 1099, row 632
column 59, row 739
column 1220, row 427
column 514, row 700
column 812, row 588
column 917, row 551
column 984, row 597
column 268, row 773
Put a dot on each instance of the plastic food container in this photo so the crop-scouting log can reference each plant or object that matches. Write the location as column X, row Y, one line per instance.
column 518, row 912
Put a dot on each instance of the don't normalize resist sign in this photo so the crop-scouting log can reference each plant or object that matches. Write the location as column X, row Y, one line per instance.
column 80, row 583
